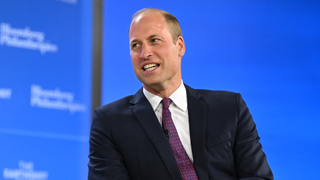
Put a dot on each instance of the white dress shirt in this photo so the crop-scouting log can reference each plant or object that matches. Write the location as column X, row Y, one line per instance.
column 179, row 114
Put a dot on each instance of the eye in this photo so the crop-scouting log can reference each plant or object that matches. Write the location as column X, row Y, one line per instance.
column 154, row 40
column 134, row 45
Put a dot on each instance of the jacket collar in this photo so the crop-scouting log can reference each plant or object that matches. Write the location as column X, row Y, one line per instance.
column 143, row 111
column 197, row 108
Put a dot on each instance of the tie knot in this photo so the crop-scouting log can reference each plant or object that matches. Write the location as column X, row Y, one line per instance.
column 166, row 103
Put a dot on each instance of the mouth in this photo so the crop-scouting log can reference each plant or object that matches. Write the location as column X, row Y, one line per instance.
column 150, row 67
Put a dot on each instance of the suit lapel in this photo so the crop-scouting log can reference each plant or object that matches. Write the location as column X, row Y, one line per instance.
column 143, row 111
column 197, row 123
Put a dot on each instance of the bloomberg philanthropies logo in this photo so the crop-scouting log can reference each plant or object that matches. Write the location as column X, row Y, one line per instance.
column 25, row 39
column 54, row 99
column 25, row 172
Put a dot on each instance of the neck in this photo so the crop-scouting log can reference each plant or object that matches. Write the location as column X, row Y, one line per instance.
column 163, row 92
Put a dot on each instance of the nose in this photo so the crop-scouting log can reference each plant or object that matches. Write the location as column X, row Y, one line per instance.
column 146, row 51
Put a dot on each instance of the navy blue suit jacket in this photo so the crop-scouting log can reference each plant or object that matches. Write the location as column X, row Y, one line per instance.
column 128, row 142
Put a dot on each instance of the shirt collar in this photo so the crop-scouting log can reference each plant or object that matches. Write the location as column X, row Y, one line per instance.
column 179, row 98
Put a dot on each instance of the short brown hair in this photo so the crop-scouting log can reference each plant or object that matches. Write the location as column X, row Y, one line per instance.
column 173, row 23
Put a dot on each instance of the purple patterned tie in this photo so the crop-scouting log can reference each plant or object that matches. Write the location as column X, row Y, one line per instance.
column 185, row 165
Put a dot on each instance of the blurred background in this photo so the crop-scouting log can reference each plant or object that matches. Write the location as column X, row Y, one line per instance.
column 60, row 59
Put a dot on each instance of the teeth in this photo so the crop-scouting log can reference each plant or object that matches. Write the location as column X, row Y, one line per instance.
column 150, row 67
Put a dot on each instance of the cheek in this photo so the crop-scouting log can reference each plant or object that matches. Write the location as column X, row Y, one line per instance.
column 134, row 59
column 174, row 59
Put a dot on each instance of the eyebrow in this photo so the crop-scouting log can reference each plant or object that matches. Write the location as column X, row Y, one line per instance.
column 133, row 41
column 150, row 37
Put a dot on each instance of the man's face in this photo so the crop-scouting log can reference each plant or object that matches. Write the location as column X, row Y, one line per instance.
column 156, row 59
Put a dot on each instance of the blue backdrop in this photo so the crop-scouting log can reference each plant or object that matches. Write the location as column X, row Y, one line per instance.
column 45, row 89
column 269, row 51
column 266, row 50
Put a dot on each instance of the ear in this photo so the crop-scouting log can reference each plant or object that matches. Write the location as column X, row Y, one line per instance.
column 180, row 46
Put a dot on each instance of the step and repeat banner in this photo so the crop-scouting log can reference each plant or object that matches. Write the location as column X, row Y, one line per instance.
column 269, row 51
column 45, row 89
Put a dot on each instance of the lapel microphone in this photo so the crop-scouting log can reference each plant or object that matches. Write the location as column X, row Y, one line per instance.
column 166, row 132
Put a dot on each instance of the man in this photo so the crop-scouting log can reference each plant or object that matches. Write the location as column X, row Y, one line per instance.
column 168, row 130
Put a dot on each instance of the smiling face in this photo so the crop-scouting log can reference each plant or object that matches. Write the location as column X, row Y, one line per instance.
column 156, row 59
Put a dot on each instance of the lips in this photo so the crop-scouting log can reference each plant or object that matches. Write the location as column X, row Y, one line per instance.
column 150, row 67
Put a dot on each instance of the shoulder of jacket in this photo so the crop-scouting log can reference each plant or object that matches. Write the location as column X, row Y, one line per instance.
column 120, row 103
column 217, row 93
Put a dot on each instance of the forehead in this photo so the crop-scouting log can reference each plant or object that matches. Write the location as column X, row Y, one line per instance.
column 147, row 23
